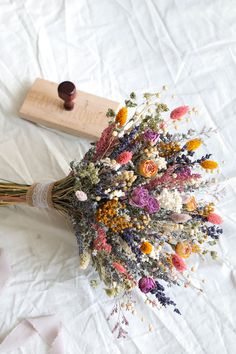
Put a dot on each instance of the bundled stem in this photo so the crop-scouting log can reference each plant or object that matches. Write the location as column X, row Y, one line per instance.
column 62, row 194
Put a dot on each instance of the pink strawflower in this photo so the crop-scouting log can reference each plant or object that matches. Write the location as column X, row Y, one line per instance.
column 119, row 267
column 179, row 112
column 178, row 263
column 215, row 218
column 124, row 157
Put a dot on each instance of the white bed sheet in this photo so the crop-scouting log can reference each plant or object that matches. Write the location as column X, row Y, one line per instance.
column 110, row 48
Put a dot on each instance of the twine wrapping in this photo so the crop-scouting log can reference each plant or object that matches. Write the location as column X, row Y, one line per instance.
column 39, row 195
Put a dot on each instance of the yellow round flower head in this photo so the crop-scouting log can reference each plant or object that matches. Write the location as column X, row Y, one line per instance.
column 121, row 116
column 194, row 144
column 183, row 249
column 209, row 164
column 146, row 247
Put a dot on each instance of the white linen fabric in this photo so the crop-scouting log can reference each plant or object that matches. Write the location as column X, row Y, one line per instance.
column 110, row 48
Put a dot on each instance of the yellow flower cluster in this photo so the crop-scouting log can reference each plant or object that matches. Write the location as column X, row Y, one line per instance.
column 208, row 209
column 121, row 116
column 107, row 214
column 193, row 144
column 168, row 149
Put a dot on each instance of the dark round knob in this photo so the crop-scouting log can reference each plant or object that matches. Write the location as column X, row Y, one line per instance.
column 67, row 92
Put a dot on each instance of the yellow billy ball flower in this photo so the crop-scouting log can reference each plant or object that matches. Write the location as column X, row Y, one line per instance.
column 121, row 116
column 209, row 164
column 146, row 247
column 193, row 144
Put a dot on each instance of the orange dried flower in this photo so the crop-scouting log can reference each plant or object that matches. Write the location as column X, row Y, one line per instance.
column 121, row 116
column 191, row 205
column 193, row 144
column 183, row 249
column 146, row 247
column 148, row 168
column 209, row 164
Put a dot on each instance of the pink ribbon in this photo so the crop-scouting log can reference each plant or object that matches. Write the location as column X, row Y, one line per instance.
column 5, row 270
column 48, row 327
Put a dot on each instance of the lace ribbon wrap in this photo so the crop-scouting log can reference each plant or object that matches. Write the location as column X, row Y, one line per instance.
column 39, row 195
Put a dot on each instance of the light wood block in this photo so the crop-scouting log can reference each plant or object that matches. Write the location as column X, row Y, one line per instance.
column 88, row 118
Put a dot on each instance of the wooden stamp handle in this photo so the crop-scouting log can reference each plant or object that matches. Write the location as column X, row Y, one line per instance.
column 67, row 92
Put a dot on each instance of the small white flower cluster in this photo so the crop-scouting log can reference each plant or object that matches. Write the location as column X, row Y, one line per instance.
column 195, row 182
column 170, row 200
column 111, row 163
column 161, row 163
column 116, row 193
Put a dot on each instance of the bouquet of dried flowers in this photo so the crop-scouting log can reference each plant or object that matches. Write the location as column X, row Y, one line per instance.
column 133, row 202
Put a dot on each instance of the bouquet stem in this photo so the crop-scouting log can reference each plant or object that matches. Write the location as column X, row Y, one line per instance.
column 13, row 193
column 60, row 194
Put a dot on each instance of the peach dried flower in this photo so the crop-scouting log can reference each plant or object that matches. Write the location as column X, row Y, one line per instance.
column 148, row 168
column 183, row 249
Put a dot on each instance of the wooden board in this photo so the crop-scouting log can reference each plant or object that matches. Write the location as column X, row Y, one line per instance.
column 88, row 118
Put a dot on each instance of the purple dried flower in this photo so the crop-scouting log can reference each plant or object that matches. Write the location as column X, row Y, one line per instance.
column 185, row 172
column 151, row 136
column 152, row 205
column 139, row 197
column 146, row 284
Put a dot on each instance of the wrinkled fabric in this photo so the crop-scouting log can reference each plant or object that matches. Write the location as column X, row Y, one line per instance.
column 5, row 270
column 48, row 327
column 111, row 48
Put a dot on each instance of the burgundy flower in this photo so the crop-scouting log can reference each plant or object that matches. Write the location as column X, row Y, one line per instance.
column 139, row 197
column 146, row 284
column 152, row 205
